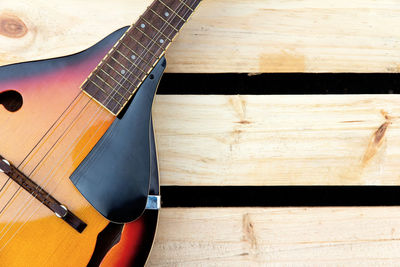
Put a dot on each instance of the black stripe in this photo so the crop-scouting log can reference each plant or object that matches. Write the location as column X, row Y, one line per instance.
column 281, row 83
column 276, row 196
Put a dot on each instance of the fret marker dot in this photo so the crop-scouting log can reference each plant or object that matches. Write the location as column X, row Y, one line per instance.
column 166, row 14
column 142, row 25
column 162, row 41
column 122, row 72
column 133, row 57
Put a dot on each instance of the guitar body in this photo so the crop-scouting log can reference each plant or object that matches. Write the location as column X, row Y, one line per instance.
column 47, row 138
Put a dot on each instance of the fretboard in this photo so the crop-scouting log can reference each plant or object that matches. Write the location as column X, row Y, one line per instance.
column 122, row 71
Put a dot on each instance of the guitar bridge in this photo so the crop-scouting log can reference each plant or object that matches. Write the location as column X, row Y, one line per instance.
column 41, row 195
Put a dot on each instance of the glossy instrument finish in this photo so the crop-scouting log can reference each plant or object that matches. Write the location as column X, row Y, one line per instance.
column 120, row 164
column 57, row 126
column 47, row 139
column 137, row 237
column 135, row 243
column 124, row 68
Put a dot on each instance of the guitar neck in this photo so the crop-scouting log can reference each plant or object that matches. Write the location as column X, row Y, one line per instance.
column 122, row 71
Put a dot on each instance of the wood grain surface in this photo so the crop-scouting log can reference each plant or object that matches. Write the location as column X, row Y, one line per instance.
column 255, row 140
column 222, row 36
column 359, row 236
column 278, row 140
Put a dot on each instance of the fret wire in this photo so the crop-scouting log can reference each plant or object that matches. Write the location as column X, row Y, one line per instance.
column 108, row 95
column 105, row 105
column 125, row 68
column 109, row 85
column 163, row 27
column 131, row 73
column 130, row 61
column 145, row 61
column 162, row 33
column 172, row 10
column 186, row 5
column 146, row 52
column 112, row 78
column 94, row 96
column 195, row 4
column 126, row 80
column 145, row 48
column 136, row 77
column 90, row 80
column 164, row 20
column 157, row 29
column 116, row 106
column 150, row 39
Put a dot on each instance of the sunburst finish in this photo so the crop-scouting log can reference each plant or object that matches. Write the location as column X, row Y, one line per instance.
column 52, row 99
column 68, row 104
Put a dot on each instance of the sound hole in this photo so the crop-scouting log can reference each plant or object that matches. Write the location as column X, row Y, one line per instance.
column 11, row 100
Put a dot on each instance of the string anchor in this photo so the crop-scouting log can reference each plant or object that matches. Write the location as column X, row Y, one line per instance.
column 6, row 162
column 62, row 215
column 41, row 195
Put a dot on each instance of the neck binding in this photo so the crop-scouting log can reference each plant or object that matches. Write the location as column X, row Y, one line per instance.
column 122, row 71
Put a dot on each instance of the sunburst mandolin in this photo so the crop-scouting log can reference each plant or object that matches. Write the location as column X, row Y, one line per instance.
column 78, row 163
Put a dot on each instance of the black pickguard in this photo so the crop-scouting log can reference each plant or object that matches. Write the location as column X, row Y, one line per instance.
column 115, row 176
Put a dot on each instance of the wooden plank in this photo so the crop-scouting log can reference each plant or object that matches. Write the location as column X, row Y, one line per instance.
column 278, row 140
column 223, row 35
column 277, row 237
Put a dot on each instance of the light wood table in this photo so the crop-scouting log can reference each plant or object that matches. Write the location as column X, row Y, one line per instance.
column 255, row 140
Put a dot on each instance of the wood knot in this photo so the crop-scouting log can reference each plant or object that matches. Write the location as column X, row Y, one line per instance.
column 377, row 139
column 12, row 26
column 248, row 231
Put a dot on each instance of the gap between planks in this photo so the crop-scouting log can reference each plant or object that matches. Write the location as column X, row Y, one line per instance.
column 277, row 237
column 222, row 36
column 278, row 140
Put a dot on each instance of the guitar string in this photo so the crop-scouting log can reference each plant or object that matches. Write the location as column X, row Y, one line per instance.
column 159, row 34
column 2, row 130
column 37, row 145
column 52, row 126
column 30, row 216
column 137, row 60
column 6, row 182
column 30, row 199
column 122, row 82
column 6, row 185
column 39, row 206
column 28, row 219
column 30, row 174
column 130, row 69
